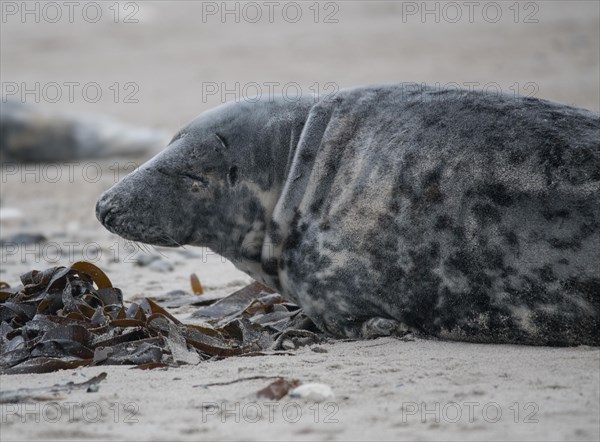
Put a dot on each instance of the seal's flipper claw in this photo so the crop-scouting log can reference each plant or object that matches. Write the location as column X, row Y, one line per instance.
column 377, row 326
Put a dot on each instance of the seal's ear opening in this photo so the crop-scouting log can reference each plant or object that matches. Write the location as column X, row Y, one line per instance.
column 232, row 175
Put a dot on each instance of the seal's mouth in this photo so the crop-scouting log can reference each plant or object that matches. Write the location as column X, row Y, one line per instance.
column 143, row 229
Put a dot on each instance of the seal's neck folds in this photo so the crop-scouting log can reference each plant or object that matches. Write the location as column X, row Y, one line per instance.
column 264, row 156
column 254, row 245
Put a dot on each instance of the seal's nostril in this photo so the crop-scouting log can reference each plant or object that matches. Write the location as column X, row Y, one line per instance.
column 102, row 210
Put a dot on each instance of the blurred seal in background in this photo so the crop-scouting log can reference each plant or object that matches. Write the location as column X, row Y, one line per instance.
column 29, row 134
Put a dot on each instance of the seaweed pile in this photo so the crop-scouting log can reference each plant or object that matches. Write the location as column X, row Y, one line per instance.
column 67, row 317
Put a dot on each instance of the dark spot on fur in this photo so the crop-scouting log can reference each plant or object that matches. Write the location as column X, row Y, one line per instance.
column 315, row 206
column 508, row 270
column 443, row 222
column 498, row 194
column 253, row 208
column 552, row 152
column 563, row 244
column 553, row 214
column 494, row 258
column 274, row 232
column 293, row 239
column 589, row 289
column 460, row 261
column 394, row 207
column 232, row 176
column 306, row 156
column 433, row 194
column 431, row 186
column 430, row 120
column 433, row 177
column 546, row 273
column 517, row 157
column 512, row 239
column 270, row 266
column 486, row 212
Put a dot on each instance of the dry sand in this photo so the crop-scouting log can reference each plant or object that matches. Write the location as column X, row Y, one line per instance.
column 385, row 390
column 383, row 387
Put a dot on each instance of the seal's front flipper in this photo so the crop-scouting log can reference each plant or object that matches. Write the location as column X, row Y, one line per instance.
column 375, row 327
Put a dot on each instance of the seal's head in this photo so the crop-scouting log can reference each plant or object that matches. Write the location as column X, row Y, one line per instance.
column 214, row 185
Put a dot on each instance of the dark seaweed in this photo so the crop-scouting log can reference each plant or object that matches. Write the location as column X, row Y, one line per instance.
column 68, row 317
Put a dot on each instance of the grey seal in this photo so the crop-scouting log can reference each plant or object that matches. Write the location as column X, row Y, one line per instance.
column 455, row 214
column 30, row 134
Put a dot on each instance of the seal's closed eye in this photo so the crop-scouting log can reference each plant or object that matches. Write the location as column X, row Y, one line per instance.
column 201, row 179
column 222, row 141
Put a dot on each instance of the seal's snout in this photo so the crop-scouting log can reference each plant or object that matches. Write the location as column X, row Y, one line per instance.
column 144, row 207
